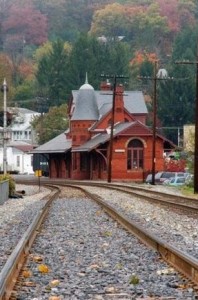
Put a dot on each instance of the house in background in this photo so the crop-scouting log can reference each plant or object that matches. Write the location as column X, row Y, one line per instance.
column 21, row 139
column 83, row 151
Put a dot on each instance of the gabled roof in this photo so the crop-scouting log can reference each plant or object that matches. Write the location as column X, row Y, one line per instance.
column 119, row 129
column 102, row 138
column 21, row 145
column 133, row 101
column 59, row 144
column 62, row 145
column 24, row 148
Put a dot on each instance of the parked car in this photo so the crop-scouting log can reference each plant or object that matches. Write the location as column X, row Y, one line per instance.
column 189, row 179
column 160, row 177
column 177, row 181
column 149, row 178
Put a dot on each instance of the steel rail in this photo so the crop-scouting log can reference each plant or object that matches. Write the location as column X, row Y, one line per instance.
column 132, row 188
column 12, row 268
column 173, row 200
column 182, row 262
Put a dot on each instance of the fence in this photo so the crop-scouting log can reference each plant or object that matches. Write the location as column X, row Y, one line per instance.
column 4, row 191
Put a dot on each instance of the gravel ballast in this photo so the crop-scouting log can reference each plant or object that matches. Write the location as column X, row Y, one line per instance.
column 83, row 254
column 86, row 255
column 15, row 217
column 170, row 225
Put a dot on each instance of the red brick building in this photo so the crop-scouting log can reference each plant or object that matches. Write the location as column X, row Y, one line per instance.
column 83, row 151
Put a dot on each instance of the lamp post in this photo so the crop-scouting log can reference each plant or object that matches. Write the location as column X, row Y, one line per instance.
column 4, row 89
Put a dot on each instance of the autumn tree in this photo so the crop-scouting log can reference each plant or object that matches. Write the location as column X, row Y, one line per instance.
column 178, row 13
column 4, row 12
column 109, row 21
column 74, row 16
column 25, row 24
column 51, row 124
column 5, row 72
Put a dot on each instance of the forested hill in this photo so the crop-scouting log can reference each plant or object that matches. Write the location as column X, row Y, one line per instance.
column 47, row 46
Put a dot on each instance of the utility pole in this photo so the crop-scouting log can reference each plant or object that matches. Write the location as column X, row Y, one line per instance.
column 155, row 78
column 109, row 166
column 186, row 62
column 4, row 89
column 154, row 123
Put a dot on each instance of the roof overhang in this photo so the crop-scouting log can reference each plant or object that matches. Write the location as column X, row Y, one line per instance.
column 50, row 151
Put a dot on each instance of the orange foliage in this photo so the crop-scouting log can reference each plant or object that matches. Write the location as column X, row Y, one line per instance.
column 26, row 69
column 140, row 57
column 172, row 165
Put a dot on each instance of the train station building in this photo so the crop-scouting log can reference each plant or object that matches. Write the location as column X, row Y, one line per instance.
column 91, row 148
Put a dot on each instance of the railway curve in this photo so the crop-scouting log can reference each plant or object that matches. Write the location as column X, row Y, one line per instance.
column 185, row 264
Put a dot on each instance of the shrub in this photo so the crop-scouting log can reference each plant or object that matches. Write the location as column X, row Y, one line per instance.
column 4, row 177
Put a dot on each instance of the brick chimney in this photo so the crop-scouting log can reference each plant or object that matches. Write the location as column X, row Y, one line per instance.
column 105, row 86
column 119, row 104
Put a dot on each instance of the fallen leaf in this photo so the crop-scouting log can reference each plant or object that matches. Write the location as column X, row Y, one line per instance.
column 29, row 283
column 54, row 282
column 37, row 258
column 26, row 273
column 43, row 268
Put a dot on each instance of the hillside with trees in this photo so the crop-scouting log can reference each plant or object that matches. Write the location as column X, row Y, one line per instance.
column 47, row 46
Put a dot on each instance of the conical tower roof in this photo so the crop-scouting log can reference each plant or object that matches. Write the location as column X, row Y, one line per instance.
column 86, row 104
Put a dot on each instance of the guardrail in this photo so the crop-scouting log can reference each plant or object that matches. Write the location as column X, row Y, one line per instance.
column 4, row 191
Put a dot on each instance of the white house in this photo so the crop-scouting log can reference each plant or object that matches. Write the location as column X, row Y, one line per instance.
column 20, row 141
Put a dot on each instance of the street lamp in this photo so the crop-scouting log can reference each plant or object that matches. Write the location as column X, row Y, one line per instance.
column 4, row 89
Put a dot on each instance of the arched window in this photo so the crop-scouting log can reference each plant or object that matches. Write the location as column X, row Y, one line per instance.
column 135, row 155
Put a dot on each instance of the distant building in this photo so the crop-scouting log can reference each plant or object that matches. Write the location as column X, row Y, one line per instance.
column 20, row 141
column 83, row 151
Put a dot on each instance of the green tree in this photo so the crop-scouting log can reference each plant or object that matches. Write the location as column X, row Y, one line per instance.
column 177, row 99
column 52, row 74
column 51, row 124
column 94, row 57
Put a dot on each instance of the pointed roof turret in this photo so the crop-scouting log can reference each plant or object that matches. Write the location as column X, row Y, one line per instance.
column 86, row 103
column 86, row 85
column 86, row 78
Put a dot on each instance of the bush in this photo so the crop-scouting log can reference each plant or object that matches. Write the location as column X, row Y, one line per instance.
column 11, row 182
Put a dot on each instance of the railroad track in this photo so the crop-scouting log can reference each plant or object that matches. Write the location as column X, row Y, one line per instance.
column 178, row 201
column 183, row 263
column 185, row 203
